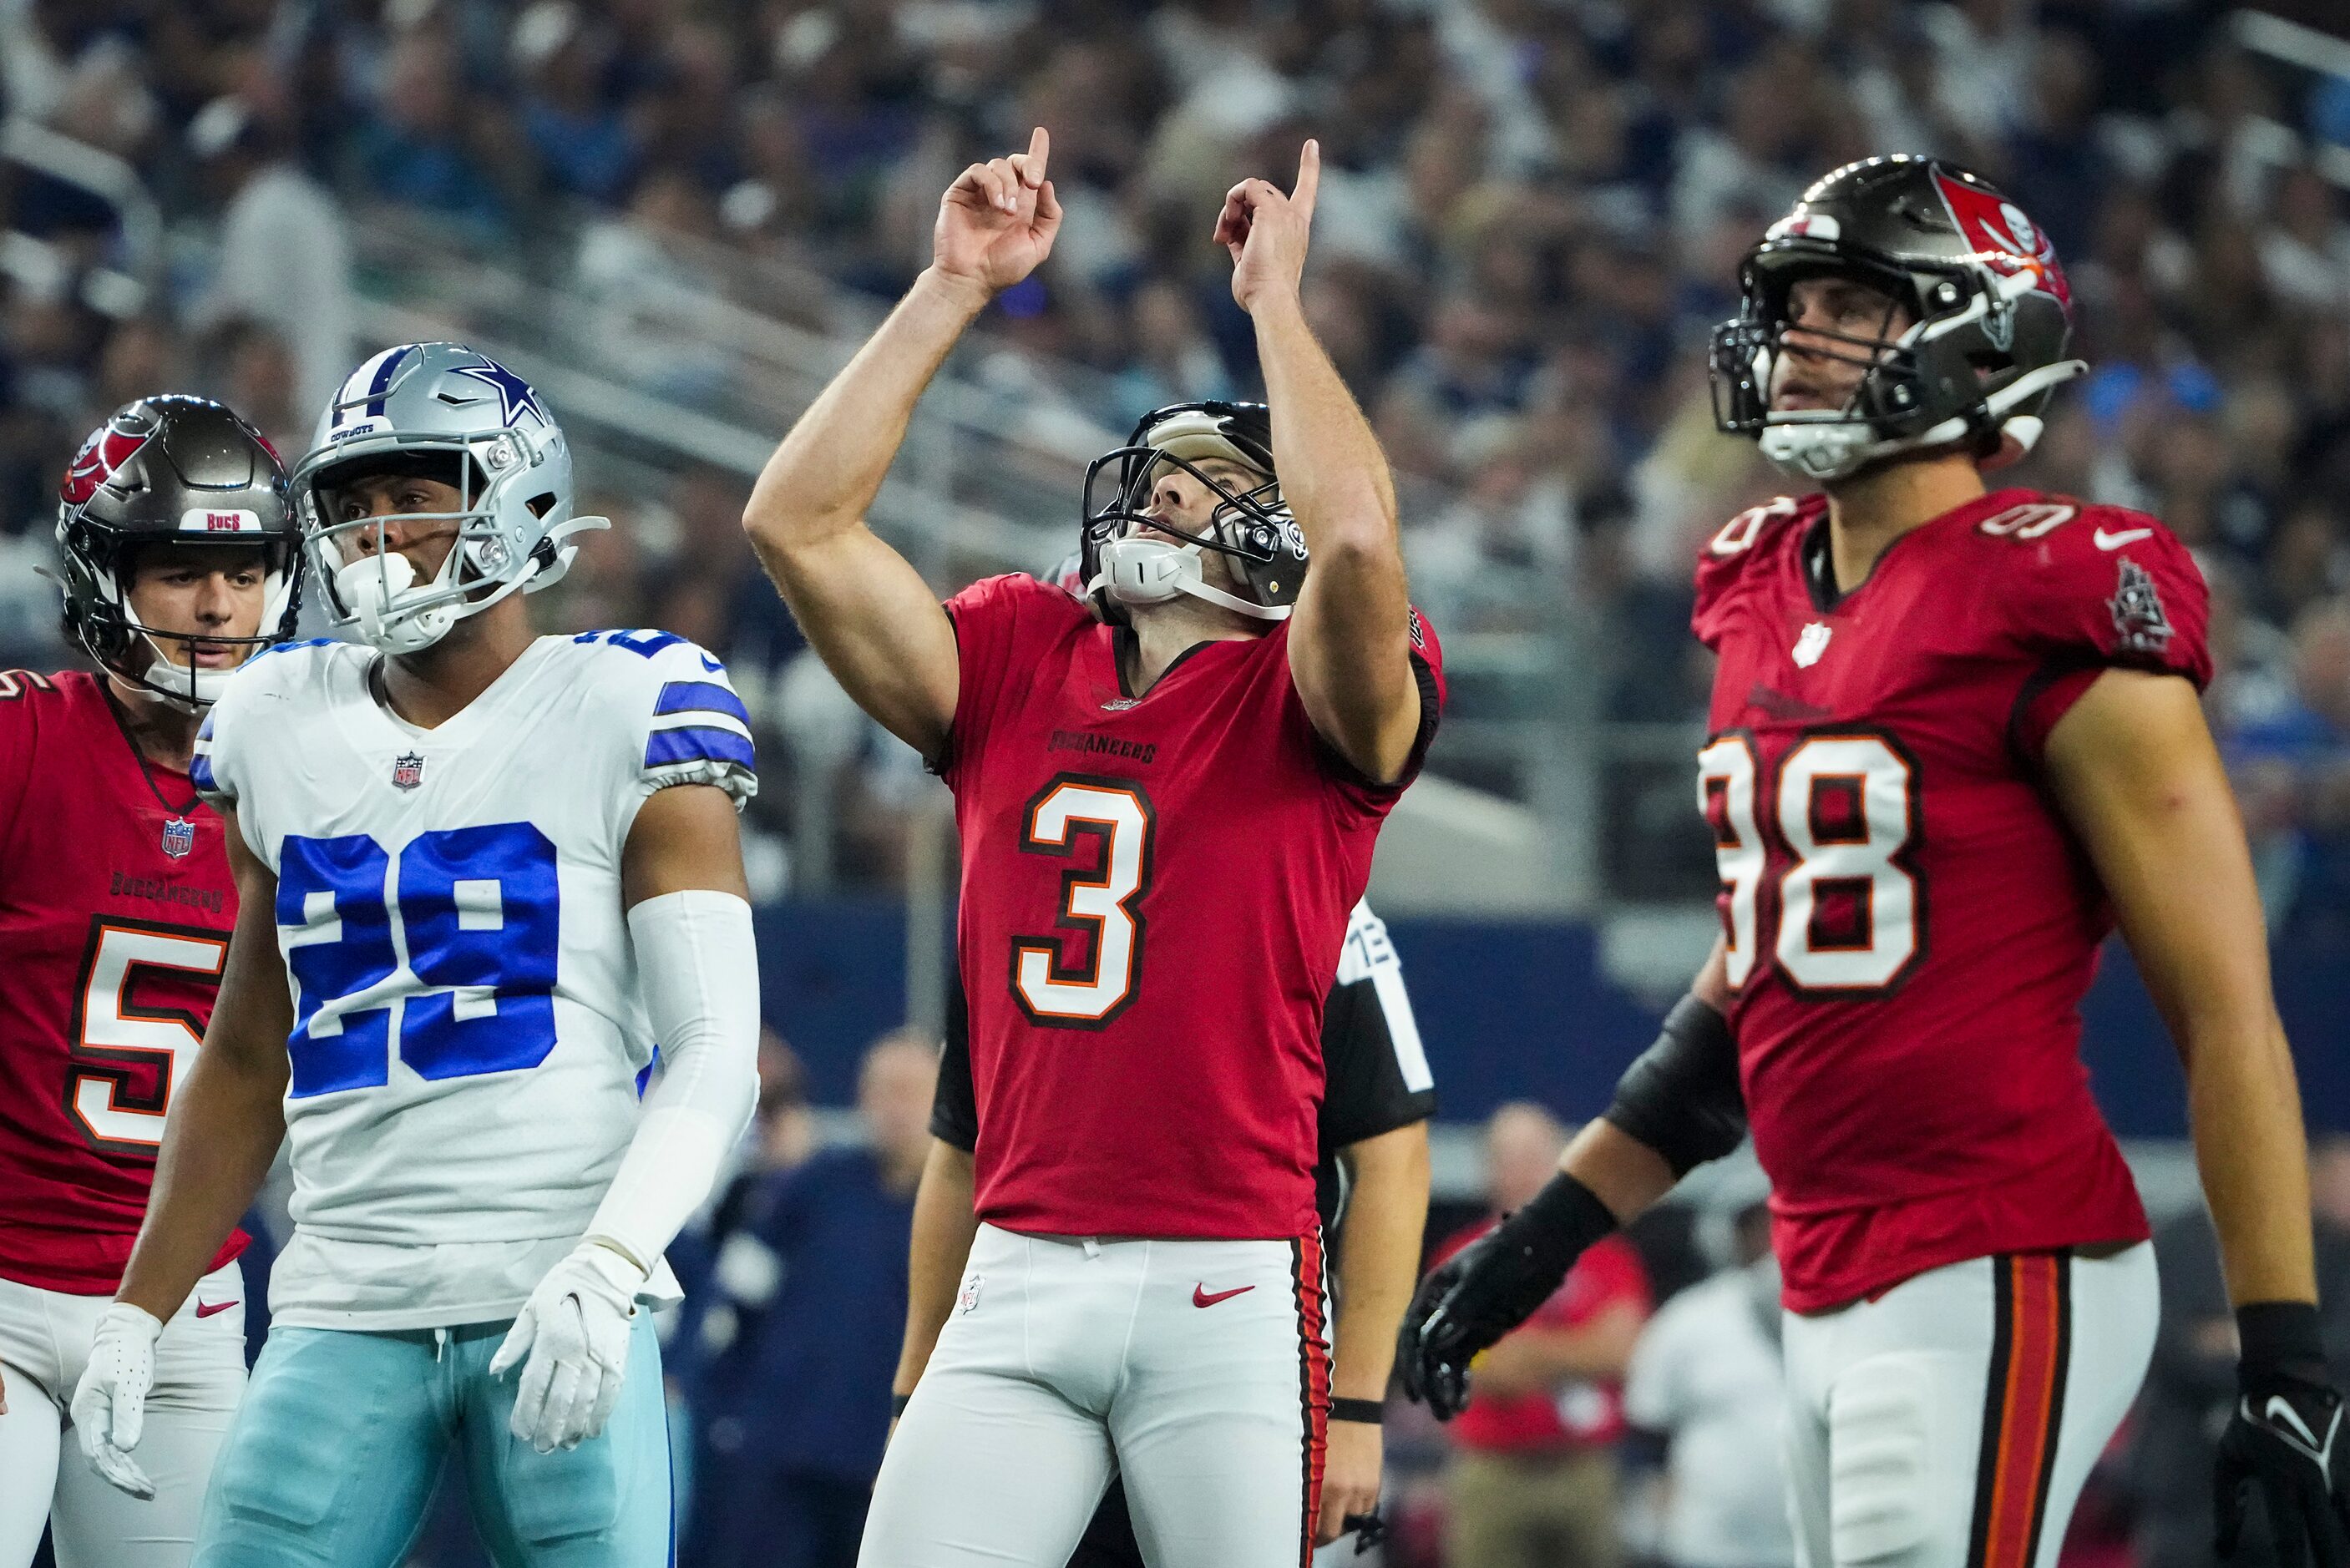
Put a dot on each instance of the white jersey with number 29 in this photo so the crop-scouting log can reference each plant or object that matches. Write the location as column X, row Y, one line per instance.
column 469, row 1046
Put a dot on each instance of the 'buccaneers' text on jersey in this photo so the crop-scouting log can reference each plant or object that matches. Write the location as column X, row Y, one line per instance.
column 116, row 905
column 1910, row 924
column 1154, row 896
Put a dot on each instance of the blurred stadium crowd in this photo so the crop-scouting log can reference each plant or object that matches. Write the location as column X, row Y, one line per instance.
column 1531, row 212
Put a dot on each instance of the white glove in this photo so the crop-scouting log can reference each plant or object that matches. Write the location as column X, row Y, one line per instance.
column 574, row 1329
column 109, row 1403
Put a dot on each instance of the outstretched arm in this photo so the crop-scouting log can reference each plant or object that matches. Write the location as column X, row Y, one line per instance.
column 229, row 1117
column 2140, row 780
column 866, row 610
column 224, row 1124
column 698, row 967
column 1676, row 1108
column 1349, row 647
column 944, row 1225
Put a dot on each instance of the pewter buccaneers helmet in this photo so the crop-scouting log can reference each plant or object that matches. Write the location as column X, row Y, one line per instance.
column 1250, row 528
column 170, row 471
column 444, row 411
column 1993, row 319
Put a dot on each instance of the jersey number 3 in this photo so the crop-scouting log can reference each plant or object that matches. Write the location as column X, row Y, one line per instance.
column 477, row 911
column 1851, row 909
column 1097, row 904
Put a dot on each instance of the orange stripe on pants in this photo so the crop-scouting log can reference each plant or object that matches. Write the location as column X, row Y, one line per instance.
column 2027, row 1408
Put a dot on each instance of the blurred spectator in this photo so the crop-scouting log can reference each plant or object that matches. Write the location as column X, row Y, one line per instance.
column 284, row 259
column 419, row 147
column 1707, row 1377
column 794, row 1410
column 1533, row 1479
column 2192, row 1381
column 2291, row 769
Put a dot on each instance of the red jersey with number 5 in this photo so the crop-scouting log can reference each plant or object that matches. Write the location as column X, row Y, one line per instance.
column 115, row 909
column 1910, row 923
column 1155, row 890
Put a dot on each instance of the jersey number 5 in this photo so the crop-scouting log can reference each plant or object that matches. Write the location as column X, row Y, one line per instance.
column 1850, row 909
column 1098, row 904
column 477, row 911
column 119, row 1047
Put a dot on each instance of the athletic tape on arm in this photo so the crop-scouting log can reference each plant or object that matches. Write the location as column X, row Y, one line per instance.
column 699, row 968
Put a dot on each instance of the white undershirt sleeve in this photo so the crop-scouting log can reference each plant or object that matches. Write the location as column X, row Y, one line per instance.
column 699, row 968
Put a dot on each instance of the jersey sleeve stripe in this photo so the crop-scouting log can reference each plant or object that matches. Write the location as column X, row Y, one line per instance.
column 698, row 742
column 700, row 696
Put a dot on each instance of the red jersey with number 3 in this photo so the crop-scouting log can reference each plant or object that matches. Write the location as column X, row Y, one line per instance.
column 1911, row 924
column 115, row 909
column 1155, row 890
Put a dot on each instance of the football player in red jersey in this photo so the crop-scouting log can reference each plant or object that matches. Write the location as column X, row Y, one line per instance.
column 1954, row 740
column 1168, row 792
column 179, row 562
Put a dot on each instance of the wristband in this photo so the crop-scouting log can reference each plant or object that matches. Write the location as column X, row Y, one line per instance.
column 1370, row 1412
column 898, row 1405
column 2280, row 1336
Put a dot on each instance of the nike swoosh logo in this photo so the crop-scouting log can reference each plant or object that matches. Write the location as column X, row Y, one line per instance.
column 2116, row 541
column 2280, row 1413
column 206, row 1309
column 1200, row 1298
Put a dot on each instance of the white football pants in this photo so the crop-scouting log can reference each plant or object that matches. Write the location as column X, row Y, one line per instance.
column 1950, row 1422
column 199, row 1376
column 1199, row 1369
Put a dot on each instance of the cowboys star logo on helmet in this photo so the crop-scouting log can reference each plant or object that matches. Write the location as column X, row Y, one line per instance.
column 1989, row 309
column 450, row 413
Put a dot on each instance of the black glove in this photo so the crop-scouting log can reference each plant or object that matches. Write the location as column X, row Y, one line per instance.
column 1490, row 1286
column 2281, row 1442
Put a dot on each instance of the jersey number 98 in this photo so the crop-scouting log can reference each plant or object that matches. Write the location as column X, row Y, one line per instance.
column 1844, row 812
column 476, row 910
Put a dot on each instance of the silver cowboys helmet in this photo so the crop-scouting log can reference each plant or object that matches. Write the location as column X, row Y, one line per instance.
column 1252, row 528
column 448, row 413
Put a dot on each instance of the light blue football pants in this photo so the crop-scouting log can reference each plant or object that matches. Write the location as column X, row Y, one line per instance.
column 333, row 1456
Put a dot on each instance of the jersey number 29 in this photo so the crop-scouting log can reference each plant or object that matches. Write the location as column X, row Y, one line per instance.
column 1845, row 809
column 476, row 910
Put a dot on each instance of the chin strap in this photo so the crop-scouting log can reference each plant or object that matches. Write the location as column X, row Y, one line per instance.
column 1151, row 572
column 1834, row 447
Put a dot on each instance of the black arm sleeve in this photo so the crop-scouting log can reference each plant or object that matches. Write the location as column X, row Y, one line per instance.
column 955, row 1107
column 1681, row 1096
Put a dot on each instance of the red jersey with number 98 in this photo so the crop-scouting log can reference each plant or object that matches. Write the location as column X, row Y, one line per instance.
column 1155, row 890
column 1910, row 923
column 115, row 909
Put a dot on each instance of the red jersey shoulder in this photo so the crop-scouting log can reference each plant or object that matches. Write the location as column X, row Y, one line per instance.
column 31, row 702
column 1736, row 554
column 2095, row 585
column 1001, row 607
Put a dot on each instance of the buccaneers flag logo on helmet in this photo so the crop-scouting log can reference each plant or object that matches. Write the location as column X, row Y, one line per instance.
column 107, row 449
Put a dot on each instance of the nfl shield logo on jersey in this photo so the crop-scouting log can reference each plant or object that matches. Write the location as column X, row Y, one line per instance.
column 179, row 837
column 406, row 770
column 1810, row 643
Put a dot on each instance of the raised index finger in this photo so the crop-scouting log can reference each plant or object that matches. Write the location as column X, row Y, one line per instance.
column 1309, row 174
column 1031, row 168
